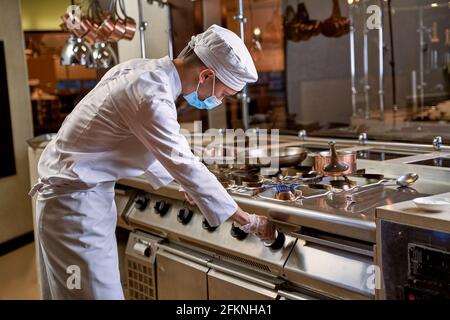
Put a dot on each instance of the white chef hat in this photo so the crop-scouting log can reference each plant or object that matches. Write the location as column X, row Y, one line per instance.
column 226, row 54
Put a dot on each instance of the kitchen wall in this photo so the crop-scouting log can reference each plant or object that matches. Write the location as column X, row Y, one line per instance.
column 318, row 70
column 156, row 34
column 15, row 205
column 43, row 15
column 217, row 117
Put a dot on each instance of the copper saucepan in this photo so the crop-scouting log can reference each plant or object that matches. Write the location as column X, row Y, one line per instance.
column 118, row 32
column 73, row 24
column 130, row 28
column 92, row 28
column 345, row 158
column 106, row 28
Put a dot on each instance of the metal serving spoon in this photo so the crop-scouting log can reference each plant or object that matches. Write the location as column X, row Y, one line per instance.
column 407, row 179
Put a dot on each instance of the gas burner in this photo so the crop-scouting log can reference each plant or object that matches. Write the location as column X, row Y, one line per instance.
column 281, row 192
column 248, row 179
column 285, row 193
column 342, row 184
column 224, row 179
column 252, row 184
column 245, row 169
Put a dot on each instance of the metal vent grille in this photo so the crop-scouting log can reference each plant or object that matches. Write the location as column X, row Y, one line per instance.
column 230, row 257
column 233, row 258
column 140, row 267
column 140, row 280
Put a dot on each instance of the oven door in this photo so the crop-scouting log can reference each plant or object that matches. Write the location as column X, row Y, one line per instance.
column 222, row 286
column 180, row 275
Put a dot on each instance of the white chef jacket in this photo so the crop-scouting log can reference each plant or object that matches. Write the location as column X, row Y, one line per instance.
column 126, row 127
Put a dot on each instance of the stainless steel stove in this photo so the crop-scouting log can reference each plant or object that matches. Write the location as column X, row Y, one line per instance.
column 326, row 230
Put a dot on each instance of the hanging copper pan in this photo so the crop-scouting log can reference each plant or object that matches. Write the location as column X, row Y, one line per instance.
column 130, row 28
column 106, row 28
column 118, row 32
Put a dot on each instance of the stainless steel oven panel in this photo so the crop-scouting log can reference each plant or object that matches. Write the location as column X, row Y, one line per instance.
column 252, row 275
column 223, row 286
column 179, row 277
column 333, row 272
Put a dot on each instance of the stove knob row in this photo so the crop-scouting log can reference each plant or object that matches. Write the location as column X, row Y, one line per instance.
column 162, row 207
column 207, row 226
column 141, row 202
column 237, row 233
column 185, row 215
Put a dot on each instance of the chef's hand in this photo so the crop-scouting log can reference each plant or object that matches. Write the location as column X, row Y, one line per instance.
column 189, row 199
column 255, row 224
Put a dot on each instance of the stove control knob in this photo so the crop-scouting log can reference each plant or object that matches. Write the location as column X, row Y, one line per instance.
column 141, row 202
column 162, row 207
column 278, row 242
column 185, row 215
column 237, row 233
column 206, row 226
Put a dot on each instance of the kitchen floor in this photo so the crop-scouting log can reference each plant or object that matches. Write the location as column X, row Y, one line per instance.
column 18, row 276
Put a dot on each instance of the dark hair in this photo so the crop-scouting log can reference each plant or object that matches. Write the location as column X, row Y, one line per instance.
column 192, row 59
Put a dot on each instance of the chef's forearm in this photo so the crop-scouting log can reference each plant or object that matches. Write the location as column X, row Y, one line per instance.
column 240, row 216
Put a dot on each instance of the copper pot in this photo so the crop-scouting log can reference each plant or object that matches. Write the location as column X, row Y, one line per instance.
column 336, row 25
column 75, row 26
column 92, row 28
column 130, row 28
column 118, row 32
column 324, row 158
column 106, row 28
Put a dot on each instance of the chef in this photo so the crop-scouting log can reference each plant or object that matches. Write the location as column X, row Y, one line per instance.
column 127, row 127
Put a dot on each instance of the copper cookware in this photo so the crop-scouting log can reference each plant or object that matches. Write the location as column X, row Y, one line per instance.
column 118, row 32
column 106, row 28
column 128, row 23
column 130, row 28
column 74, row 25
column 99, row 25
column 335, row 163
column 92, row 33
column 298, row 25
column 335, row 25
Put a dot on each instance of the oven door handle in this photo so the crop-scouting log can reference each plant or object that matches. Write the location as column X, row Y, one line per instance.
column 187, row 256
column 243, row 276
column 239, row 282
column 294, row 296
column 332, row 244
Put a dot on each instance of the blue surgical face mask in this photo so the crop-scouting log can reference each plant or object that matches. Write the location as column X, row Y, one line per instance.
column 207, row 104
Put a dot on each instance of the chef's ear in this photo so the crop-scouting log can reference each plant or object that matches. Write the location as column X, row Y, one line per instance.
column 205, row 74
